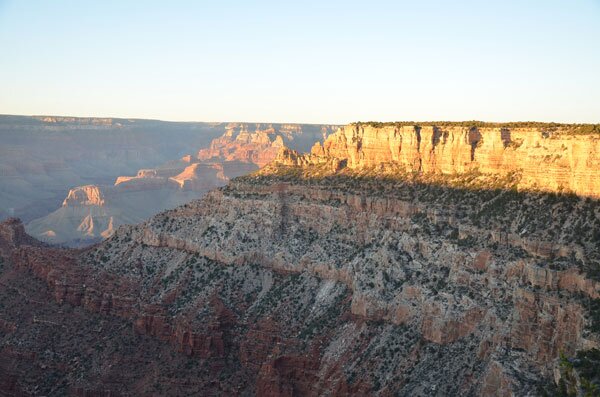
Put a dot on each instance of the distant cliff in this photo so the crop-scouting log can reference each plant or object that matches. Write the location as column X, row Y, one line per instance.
column 92, row 212
column 41, row 158
column 260, row 144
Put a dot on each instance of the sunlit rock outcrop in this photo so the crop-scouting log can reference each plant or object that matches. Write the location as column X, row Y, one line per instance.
column 548, row 159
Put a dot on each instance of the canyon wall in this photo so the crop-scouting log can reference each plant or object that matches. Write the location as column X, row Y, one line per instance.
column 41, row 158
column 548, row 159
column 347, row 286
column 260, row 145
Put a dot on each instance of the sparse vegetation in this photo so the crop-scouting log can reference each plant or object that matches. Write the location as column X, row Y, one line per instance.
column 570, row 129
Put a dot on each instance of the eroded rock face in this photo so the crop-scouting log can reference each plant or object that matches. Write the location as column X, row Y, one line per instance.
column 57, row 336
column 349, row 288
column 324, row 279
column 547, row 160
column 261, row 145
column 41, row 158
column 84, row 195
column 395, row 256
column 12, row 235
column 201, row 177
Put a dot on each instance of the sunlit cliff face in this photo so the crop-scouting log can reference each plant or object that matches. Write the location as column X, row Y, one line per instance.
column 552, row 161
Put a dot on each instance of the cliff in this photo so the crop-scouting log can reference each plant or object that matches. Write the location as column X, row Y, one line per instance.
column 481, row 279
column 12, row 235
column 201, row 177
column 84, row 195
column 42, row 157
column 546, row 158
column 261, row 146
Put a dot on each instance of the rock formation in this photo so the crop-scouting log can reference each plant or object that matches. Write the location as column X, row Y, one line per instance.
column 261, row 146
column 42, row 157
column 201, row 177
column 84, row 195
column 547, row 158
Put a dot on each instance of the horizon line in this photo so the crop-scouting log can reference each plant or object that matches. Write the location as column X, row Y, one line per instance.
column 426, row 122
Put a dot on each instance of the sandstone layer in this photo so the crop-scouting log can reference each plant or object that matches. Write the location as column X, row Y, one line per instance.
column 261, row 146
column 546, row 158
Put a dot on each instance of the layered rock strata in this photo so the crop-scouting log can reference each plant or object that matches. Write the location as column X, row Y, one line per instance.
column 548, row 159
column 261, row 146
column 352, row 286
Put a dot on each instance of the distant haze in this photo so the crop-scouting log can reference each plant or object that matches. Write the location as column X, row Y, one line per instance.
column 309, row 62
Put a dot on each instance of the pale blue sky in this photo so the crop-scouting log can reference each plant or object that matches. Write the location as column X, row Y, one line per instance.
column 302, row 61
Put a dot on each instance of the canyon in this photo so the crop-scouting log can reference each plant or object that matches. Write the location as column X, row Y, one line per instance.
column 91, row 212
column 42, row 157
column 413, row 260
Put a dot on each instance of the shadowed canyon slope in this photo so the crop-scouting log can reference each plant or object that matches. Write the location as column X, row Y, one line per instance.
column 344, row 272
column 92, row 212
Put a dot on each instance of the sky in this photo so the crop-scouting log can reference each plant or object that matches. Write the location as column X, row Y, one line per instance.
column 302, row 61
